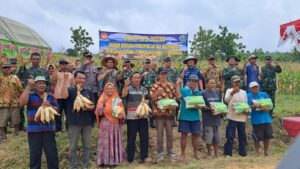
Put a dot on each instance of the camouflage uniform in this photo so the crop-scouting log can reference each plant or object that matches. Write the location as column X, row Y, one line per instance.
column 126, row 74
column 230, row 71
column 269, row 80
column 172, row 75
column 26, row 73
column 214, row 73
column 150, row 78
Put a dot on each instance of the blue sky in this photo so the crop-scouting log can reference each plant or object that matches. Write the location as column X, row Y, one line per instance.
column 256, row 21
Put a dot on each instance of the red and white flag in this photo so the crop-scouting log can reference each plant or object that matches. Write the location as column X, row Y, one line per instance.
column 290, row 31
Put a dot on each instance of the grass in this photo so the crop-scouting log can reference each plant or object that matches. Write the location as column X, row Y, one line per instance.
column 14, row 153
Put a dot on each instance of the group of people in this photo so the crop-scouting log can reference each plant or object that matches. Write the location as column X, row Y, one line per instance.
column 24, row 88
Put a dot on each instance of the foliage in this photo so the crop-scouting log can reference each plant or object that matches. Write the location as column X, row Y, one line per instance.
column 81, row 39
column 222, row 45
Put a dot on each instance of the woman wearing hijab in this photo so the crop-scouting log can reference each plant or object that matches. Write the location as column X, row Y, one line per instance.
column 109, row 115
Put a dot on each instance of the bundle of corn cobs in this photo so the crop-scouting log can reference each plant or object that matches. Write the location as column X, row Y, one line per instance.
column 81, row 102
column 143, row 110
column 45, row 113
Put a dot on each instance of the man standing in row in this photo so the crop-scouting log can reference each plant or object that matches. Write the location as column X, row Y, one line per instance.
column 268, row 79
column 214, row 72
column 10, row 90
column 191, row 68
column 80, row 123
column 231, row 70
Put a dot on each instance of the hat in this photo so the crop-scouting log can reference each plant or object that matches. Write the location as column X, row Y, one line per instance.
column 167, row 59
column 85, row 54
column 268, row 58
column 162, row 70
column 63, row 61
column 190, row 58
column 252, row 57
column 211, row 57
column 235, row 78
column 40, row 78
column 233, row 57
column 253, row 84
column 6, row 64
column 104, row 60
column 193, row 77
column 13, row 60
column 147, row 61
column 127, row 60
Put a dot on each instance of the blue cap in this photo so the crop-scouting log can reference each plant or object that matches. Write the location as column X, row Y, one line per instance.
column 63, row 61
column 162, row 70
column 193, row 77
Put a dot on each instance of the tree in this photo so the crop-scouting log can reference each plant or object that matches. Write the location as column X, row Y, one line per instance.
column 71, row 52
column 224, row 44
column 259, row 53
column 81, row 39
column 202, row 43
column 295, row 54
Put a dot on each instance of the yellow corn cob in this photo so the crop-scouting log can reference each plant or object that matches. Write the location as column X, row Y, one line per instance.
column 47, row 115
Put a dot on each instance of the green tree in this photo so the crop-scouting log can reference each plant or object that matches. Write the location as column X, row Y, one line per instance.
column 259, row 53
column 295, row 55
column 223, row 44
column 81, row 39
column 202, row 43
column 71, row 52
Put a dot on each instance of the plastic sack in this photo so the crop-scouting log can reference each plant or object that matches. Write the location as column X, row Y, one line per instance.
column 192, row 101
column 265, row 103
column 219, row 107
column 242, row 107
column 116, row 109
column 164, row 103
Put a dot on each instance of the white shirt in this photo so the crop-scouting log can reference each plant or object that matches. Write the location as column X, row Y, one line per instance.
column 240, row 97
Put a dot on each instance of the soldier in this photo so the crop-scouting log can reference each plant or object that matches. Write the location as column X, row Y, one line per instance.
column 214, row 72
column 268, row 75
column 148, row 79
column 172, row 72
column 35, row 70
column 231, row 70
column 125, row 73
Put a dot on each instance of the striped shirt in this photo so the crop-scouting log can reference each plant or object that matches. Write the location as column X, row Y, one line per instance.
column 34, row 102
column 133, row 100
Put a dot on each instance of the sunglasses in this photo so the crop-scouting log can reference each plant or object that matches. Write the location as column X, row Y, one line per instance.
column 147, row 63
column 88, row 56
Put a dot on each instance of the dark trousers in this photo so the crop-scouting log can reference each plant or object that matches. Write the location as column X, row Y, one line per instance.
column 133, row 127
column 230, row 134
column 58, row 119
column 39, row 141
column 22, row 119
column 271, row 94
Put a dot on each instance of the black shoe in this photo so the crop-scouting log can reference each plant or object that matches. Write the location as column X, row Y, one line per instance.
column 153, row 126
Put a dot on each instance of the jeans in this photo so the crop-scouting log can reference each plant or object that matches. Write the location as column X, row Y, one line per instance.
column 74, row 133
column 37, row 142
column 230, row 134
column 133, row 127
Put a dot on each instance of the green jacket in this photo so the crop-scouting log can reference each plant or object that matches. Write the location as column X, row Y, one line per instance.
column 268, row 81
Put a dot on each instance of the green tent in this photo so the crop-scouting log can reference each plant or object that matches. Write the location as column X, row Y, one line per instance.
column 18, row 39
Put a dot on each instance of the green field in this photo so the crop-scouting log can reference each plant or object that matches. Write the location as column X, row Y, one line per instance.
column 14, row 153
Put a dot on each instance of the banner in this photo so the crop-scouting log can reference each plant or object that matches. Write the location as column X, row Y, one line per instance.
column 140, row 46
column 290, row 31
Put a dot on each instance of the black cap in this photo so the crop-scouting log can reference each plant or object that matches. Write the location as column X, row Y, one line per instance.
column 268, row 58
column 13, row 60
column 233, row 57
column 211, row 57
column 63, row 61
column 193, row 77
column 87, row 54
column 147, row 61
column 167, row 59
column 162, row 70
column 127, row 60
